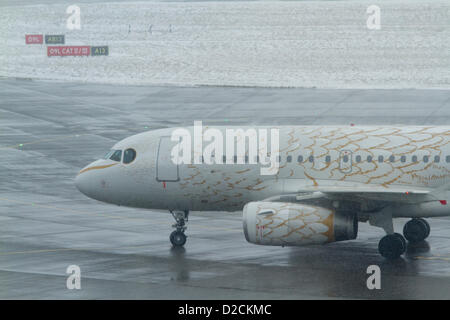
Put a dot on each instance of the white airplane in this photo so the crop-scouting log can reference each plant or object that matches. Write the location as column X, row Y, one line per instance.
column 327, row 179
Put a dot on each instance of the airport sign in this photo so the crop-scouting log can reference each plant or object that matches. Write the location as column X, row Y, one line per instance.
column 63, row 51
column 33, row 39
column 100, row 51
column 54, row 39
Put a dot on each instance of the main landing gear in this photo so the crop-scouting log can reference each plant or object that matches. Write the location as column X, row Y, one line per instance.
column 177, row 237
column 393, row 245
column 416, row 230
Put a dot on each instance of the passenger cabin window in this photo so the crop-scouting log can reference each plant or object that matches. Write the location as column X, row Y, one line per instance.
column 116, row 156
column 392, row 159
column 300, row 159
column 414, row 159
column 425, row 159
column 403, row 159
column 327, row 159
column 358, row 158
column 437, row 159
column 369, row 158
column 289, row 159
column 129, row 155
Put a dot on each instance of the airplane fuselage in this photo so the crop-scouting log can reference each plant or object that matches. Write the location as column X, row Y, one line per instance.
column 311, row 158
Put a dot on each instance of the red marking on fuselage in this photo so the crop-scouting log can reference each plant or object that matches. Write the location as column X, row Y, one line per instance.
column 164, row 184
column 443, row 202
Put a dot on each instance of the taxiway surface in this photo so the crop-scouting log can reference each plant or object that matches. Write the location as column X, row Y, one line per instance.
column 49, row 130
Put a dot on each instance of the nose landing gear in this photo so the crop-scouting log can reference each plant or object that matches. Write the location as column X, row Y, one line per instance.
column 177, row 237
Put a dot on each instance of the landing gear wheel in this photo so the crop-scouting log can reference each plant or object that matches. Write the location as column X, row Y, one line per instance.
column 428, row 227
column 177, row 238
column 392, row 246
column 416, row 230
column 402, row 239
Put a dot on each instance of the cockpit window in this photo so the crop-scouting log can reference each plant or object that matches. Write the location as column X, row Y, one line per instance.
column 129, row 155
column 116, row 156
column 108, row 154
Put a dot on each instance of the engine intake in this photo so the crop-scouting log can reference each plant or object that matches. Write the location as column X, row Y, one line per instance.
column 294, row 224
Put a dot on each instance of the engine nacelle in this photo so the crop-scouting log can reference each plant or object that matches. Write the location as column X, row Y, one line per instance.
column 294, row 224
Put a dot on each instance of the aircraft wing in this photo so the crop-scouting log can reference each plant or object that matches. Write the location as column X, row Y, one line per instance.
column 405, row 195
column 401, row 194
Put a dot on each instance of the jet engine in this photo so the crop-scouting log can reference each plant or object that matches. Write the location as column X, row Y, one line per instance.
column 295, row 224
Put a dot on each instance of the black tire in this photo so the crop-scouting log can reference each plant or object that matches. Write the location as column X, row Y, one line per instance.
column 392, row 246
column 416, row 230
column 177, row 238
column 402, row 239
column 428, row 227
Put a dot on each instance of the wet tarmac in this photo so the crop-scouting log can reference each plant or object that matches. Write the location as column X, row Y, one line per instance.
column 49, row 130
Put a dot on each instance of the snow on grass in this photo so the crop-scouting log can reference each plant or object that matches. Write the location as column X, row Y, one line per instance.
column 280, row 44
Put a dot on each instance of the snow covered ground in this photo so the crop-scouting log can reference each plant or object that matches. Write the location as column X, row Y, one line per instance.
column 322, row 44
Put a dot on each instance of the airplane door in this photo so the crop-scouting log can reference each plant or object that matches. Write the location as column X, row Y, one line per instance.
column 345, row 161
column 166, row 169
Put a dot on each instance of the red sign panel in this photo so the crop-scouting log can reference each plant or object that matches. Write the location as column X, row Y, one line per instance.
column 68, row 51
column 34, row 38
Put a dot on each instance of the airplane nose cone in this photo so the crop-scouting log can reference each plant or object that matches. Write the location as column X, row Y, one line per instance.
column 94, row 183
column 85, row 180
column 83, row 184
